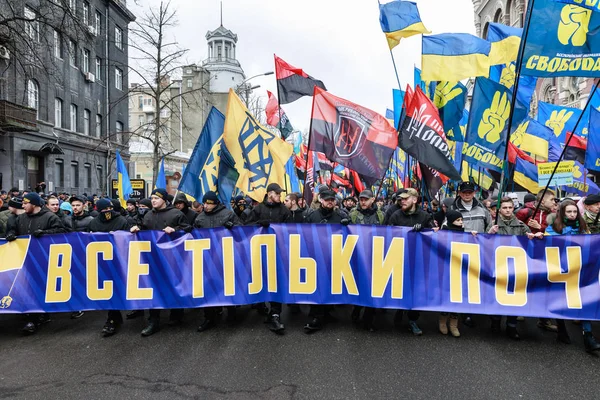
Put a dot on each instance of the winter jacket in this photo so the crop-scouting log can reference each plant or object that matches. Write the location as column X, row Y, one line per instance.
column 216, row 218
column 269, row 212
column 567, row 230
column 297, row 216
column 157, row 220
column 477, row 219
column 110, row 221
column 512, row 227
column 65, row 220
column 389, row 212
column 323, row 216
column 439, row 217
column 190, row 215
column 370, row 216
column 400, row 218
column 592, row 221
column 45, row 220
column 3, row 221
column 526, row 214
column 81, row 223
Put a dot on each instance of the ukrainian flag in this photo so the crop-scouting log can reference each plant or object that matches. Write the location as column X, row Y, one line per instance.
column 161, row 179
column 259, row 155
column 124, row 188
column 482, row 179
column 526, row 175
column 532, row 137
column 400, row 19
column 454, row 57
column 505, row 41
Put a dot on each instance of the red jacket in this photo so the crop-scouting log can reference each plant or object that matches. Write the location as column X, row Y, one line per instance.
column 526, row 214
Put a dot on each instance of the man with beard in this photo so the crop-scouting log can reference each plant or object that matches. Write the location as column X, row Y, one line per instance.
column 239, row 205
column 108, row 220
column 90, row 206
column 271, row 211
column 366, row 213
column 81, row 219
column 168, row 219
column 325, row 214
column 182, row 204
column 349, row 204
column 291, row 202
column 392, row 208
column 131, row 207
column 54, row 206
column 215, row 215
column 36, row 221
column 411, row 215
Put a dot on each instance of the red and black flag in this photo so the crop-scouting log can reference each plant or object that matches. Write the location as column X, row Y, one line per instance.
column 274, row 113
column 422, row 136
column 433, row 180
column 351, row 135
column 293, row 83
column 576, row 148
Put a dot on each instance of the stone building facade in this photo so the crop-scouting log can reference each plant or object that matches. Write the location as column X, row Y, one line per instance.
column 63, row 94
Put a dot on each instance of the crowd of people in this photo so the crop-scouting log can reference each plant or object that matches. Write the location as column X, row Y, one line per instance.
column 31, row 213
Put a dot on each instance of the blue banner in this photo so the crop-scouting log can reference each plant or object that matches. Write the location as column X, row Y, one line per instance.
column 387, row 267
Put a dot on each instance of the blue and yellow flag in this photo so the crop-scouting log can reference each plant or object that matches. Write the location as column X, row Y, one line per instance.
column 260, row 156
column 582, row 185
column 292, row 184
column 457, row 134
column 558, row 118
column 505, row 75
column 532, row 137
column 400, row 19
column 397, row 167
column 479, row 176
column 161, row 178
column 398, row 97
column 454, row 56
column 562, row 40
column 593, row 5
column 124, row 189
column 210, row 167
column 592, row 155
column 505, row 41
column 526, row 176
column 450, row 99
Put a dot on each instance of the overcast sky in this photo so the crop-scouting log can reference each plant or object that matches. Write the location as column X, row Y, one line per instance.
column 337, row 41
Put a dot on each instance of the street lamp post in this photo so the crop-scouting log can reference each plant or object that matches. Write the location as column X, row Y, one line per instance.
column 247, row 89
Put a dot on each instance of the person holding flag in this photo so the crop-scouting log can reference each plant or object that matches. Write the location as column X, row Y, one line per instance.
column 124, row 188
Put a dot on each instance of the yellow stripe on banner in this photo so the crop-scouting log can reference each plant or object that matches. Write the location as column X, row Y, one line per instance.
column 505, row 51
column 13, row 254
column 120, row 190
column 393, row 38
column 529, row 184
column 454, row 68
column 535, row 145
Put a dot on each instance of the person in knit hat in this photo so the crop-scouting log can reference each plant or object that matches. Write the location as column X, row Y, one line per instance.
column 9, row 217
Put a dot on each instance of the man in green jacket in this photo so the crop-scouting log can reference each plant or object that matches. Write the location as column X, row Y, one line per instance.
column 591, row 204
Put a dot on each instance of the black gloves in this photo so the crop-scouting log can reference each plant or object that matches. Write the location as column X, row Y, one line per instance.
column 417, row 228
column 228, row 224
column 10, row 237
column 38, row 232
column 345, row 221
column 264, row 224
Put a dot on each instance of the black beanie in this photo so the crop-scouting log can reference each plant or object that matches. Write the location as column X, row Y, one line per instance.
column 452, row 216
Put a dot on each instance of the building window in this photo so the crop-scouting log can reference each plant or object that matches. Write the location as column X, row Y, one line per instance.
column 72, row 6
column 33, row 95
column 86, row 61
column 98, row 68
column 58, row 110
column 98, row 125
column 119, row 38
column 190, row 83
column 75, row 174
column 57, row 45
column 73, row 117
column 119, row 131
column 86, row 121
column 86, row 13
column 32, row 26
column 219, row 52
column 140, row 102
column 142, row 120
column 99, row 174
column 98, row 22
column 118, row 78
column 72, row 53
column 59, row 173
column 88, row 175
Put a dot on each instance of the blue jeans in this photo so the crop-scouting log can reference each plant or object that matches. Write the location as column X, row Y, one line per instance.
column 586, row 326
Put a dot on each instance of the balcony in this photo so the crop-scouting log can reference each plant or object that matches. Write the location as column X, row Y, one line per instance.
column 17, row 118
column 221, row 60
column 148, row 109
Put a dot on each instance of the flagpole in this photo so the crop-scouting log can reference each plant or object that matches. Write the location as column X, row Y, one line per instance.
column 589, row 100
column 308, row 149
column 513, row 102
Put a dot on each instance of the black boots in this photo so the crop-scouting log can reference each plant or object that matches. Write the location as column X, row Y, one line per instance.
column 275, row 324
column 589, row 341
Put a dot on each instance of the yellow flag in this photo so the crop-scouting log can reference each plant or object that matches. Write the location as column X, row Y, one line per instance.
column 259, row 155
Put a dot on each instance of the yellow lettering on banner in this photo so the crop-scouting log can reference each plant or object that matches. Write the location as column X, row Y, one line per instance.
column 59, row 267
column 569, row 278
column 597, row 162
column 542, row 63
column 532, row 62
column 519, row 257
column 472, row 251
column 197, row 247
column 587, row 64
column 228, row 266
column 390, row 266
column 135, row 269
column 94, row 291
column 341, row 272
column 299, row 263
column 256, row 259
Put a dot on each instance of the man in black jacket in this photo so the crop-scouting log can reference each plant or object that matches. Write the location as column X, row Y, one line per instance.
column 81, row 219
column 168, row 219
column 325, row 214
column 36, row 221
column 411, row 215
column 182, row 204
column 109, row 221
column 271, row 211
column 215, row 215
column 291, row 202
column 54, row 205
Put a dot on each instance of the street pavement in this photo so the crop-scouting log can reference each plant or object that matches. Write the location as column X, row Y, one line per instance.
column 69, row 359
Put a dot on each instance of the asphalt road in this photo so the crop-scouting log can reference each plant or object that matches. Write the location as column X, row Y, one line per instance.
column 69, row 359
